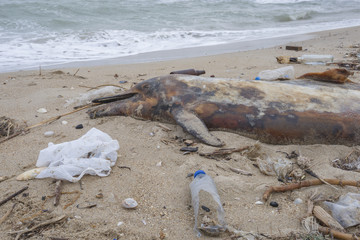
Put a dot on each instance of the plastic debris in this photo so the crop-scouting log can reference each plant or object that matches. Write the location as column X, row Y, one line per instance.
column 284, row 73
column 346, row 210
column 86, row 98
column 94, row 153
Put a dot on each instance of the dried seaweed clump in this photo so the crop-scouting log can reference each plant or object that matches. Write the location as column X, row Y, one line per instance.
column 7, row 126
column 351, row 162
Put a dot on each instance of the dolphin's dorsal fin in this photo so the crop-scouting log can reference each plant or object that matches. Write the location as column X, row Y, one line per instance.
column 195, row 126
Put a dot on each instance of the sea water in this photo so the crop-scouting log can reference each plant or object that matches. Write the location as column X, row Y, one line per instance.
column 37, row 33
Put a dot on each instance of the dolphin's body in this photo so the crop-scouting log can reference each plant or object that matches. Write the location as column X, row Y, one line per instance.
column 287, row 112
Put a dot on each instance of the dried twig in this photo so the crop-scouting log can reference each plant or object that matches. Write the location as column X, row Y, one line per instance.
column 223, row 151
column 51, row 221
column 337, row 234
column 308, row 183
column 77, row 71
column 13, row 195
column 102, row 85
column 165, row 128
column 240, row 171
column 57, row 192
column 3, row 218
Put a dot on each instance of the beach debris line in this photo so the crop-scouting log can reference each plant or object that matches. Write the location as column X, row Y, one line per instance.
column 351, row 162
column 307, row 59
column 336, row 75
column 189, row 72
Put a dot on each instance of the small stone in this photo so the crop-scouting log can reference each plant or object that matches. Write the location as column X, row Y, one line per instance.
column 152, row 134
column 274, row 204
column 298, row 201
column 259, row 203
column 159, row 164
column 189, row 149
column 99, row 195
column 120, row 223
column 42, row 110
column 80, row 126
column 189, row 142
column 48, row 133
column 206, row 209
column 129, row 203
column 64, row 122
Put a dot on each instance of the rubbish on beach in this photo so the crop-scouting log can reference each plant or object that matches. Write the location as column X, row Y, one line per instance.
column 48, row 133
column 30, row 174
column 308, row 183
column 294, row 48
column 189, row 72
column 306, row 59
column 336, row 75
column 94, row 153
column 326, row 218
column 129, row 203
column 42, row 110
column 203, row 190
column 226, row 151
column 351, row 162
column 284, row 73
column 346, row 210
column 7, row 126
column 275, row 167
column 86, row 98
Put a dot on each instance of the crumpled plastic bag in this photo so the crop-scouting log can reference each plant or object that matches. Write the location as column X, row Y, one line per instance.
column 94, row 153
column 346, row 210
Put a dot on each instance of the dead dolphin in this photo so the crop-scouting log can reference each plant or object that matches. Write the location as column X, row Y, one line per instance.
column 287, row 112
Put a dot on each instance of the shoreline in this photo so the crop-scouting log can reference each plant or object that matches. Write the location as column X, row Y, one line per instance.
column 193, row 52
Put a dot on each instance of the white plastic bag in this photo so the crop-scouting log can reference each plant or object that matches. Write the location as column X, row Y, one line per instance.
column 94, row 153
column 284, row 73
column 347, row 210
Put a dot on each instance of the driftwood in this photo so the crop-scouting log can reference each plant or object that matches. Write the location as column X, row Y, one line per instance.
column 337, row 234
column 57, row 192
column 13, row 195
column 308, row 183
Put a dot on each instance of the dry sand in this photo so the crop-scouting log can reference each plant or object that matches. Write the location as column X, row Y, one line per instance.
column 162, row 191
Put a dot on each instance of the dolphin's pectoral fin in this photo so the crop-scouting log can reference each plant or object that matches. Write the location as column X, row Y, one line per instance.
column 195, row 126
column 110, row 109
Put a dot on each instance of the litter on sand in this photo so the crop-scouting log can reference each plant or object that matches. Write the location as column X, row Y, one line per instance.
column 94, row 153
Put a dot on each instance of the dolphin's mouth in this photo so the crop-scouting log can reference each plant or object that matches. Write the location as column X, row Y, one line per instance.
column 114, row 98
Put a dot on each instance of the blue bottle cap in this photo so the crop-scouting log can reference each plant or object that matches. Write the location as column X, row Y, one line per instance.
column 198, row 172
column 257, row 78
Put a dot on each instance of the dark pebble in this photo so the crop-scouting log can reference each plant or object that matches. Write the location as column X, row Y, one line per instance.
column 206, row 209
column 274, row 204
column 190, row 175
column 80, row 126
column 189, row 149
column 25, row 195
column 123, row 82
column 43, row 198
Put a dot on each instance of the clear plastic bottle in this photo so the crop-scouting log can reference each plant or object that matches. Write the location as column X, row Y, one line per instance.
column 316, row 59
column 284, row 73
column 204, row 182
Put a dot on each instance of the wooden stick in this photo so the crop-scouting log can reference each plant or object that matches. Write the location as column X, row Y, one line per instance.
column 13, row 195
column 240, row 171
column 308, row 183
column 21, row 232
column 57, row 192
column 7, row 214
column 337, row 234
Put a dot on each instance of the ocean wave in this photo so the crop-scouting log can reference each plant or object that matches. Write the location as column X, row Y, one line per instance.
column 288, row 17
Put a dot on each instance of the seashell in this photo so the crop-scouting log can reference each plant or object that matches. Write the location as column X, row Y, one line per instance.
column 42, row 110
column 64, row 122
column 159, row 164
column 129, row 203
column 30, row 174
column 48, row 133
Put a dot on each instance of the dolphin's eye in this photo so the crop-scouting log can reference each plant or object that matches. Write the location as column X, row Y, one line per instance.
column 146, row 86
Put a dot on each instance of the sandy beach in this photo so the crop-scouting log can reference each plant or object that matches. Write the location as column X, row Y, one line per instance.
column 161, row 190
